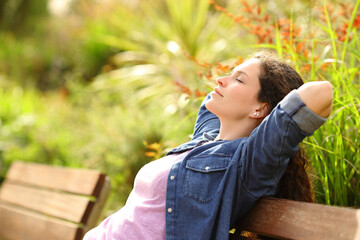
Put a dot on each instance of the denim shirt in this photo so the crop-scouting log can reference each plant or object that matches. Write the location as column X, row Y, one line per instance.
column 220, row 181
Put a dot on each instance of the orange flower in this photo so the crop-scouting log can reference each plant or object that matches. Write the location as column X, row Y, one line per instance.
column 199, row 93
column 357, row 22
column 325, row 66
column 305, row 68
column 238, row 19
column 245, row 4
column 230, row 15
column 222, row 68
column 150, row 154
column 299, row 46
column 282, row 22
column 218, row 7
column 266, row 18
column 205, row 64
column 209, row 76
column 183, row 88
column 239, row 61
column 153, row 146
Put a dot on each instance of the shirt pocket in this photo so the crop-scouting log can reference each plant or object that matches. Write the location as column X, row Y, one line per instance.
column 204, row 176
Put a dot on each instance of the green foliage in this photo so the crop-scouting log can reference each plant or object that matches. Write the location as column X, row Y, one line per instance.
column 17, row 15
column 17, row 117
column 337, row 146
column 118, row 83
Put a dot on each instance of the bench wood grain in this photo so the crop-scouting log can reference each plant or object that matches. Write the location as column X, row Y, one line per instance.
column 286, row 219
column 39, row 201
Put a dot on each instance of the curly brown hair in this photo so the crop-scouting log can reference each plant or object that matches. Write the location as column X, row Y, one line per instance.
column 278, row 78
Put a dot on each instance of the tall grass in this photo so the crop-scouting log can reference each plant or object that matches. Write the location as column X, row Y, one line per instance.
column 165, row 56
column 329, row 52
column 336, row 147
column 319, row 47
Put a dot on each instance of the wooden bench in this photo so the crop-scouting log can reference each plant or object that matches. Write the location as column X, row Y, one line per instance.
column 285, row 219
column 46, row 202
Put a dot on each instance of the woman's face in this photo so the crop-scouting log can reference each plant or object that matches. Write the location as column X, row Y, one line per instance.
column 235, row 97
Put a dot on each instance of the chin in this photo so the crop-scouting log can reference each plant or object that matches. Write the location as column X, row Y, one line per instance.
column 211, row 106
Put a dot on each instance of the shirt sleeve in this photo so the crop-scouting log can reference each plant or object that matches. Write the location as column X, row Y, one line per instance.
column 306, row 120
column 274, row 142
column 206, row 122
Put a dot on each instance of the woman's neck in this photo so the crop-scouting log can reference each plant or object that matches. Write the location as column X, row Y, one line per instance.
column 230, row 130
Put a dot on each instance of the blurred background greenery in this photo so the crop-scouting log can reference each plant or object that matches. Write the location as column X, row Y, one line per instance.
column 114, row 84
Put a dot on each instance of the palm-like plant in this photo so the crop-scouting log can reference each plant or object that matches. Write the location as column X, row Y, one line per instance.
column 157, row 43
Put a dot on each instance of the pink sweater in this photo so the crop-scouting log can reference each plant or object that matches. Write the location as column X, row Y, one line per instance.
column 143, row 216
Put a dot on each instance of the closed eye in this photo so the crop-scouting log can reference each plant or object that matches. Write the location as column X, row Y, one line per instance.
column 239, row 80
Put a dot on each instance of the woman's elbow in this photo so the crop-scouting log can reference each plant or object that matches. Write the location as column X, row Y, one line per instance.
column 318, row 97
column 327, row 92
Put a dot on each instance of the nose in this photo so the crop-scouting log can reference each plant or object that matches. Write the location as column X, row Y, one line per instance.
column 221, row 81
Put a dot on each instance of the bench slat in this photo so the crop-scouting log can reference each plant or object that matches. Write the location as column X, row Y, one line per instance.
column 285, row 219
column 93, row 217
column 59, row 204
column 24, row 225
column 47, row 202
column 80, row 181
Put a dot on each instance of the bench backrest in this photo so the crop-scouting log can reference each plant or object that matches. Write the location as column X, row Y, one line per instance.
column 39, row 201
column 285, row 219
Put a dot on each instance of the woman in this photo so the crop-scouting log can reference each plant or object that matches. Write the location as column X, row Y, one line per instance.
column 246, row 136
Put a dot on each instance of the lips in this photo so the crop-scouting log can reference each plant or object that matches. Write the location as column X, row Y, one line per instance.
column 218, row 92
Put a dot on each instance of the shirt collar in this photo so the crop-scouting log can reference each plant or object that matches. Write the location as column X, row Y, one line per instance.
column 208, row 137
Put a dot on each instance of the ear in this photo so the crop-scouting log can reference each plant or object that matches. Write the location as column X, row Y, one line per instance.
column 260, row 112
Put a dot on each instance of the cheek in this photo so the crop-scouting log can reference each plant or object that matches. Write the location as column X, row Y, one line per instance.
column 243, row 102
column 245, row 96
column 239, row 97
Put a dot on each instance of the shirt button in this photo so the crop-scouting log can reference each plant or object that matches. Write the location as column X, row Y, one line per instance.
column 169, row 210
column 172, row 177
column 207, row 168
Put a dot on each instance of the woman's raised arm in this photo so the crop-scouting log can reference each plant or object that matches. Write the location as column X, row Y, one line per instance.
column 317, row 96
column 206, row 121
